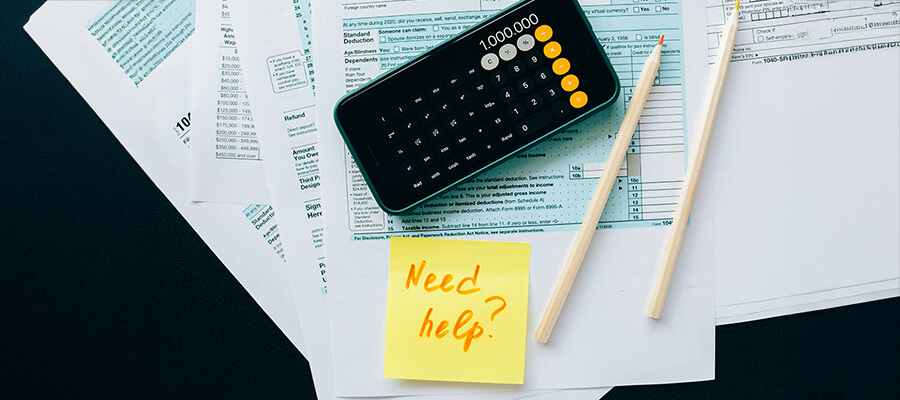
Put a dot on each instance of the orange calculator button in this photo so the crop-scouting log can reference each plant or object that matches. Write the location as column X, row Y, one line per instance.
column 561, row 66
column 552, row 49
column 543, row 33
column 569, row 83
column 578, row 99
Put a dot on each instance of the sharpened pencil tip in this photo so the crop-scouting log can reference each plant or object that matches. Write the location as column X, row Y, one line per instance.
column 661, row 39
column 737, row 4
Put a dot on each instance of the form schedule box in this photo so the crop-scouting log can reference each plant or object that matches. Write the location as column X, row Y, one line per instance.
column 287, row 71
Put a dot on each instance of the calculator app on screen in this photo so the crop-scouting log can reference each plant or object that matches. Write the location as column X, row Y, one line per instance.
column 475, row 100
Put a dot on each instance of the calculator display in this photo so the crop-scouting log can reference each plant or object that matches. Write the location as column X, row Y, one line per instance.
column 508, row 32
column 475, row 100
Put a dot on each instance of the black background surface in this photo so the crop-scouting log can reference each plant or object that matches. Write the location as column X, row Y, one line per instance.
column 108, row 293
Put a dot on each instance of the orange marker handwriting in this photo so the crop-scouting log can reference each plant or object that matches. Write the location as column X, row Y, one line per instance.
column 467, row 335
column 446, row 282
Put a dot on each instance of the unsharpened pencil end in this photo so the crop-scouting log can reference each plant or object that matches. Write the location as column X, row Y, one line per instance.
column 737, row 4
column 661, row 39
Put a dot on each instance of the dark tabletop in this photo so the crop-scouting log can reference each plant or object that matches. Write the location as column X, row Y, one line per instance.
column 108, row 293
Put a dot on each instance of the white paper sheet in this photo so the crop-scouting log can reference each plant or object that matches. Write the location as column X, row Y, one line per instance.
column 269, row 38
column 225, row 158
column 290, row 146
column 602, row 335
column 145, row 118
column 805, row 154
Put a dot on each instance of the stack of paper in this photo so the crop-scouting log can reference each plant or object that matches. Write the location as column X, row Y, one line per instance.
column 224, row 105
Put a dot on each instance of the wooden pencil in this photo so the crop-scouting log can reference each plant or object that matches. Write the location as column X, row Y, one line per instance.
column 695, row 164
column 601, row 194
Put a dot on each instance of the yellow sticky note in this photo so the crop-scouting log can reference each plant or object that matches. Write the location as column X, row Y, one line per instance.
column 457, row 310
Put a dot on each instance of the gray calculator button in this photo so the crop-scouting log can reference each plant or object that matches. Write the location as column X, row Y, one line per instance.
column 525, row 42
column 507, row 52
column 489, row 61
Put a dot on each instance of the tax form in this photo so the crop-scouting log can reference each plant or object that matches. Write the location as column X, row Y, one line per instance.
column 649, row 178
column 814, row 87
column 139, row 85
column 538, row 197
column 774, row 31
column 225, row 157
column 271, row 37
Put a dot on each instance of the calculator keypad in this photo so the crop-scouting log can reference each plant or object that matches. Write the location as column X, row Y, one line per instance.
column 447, row 116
